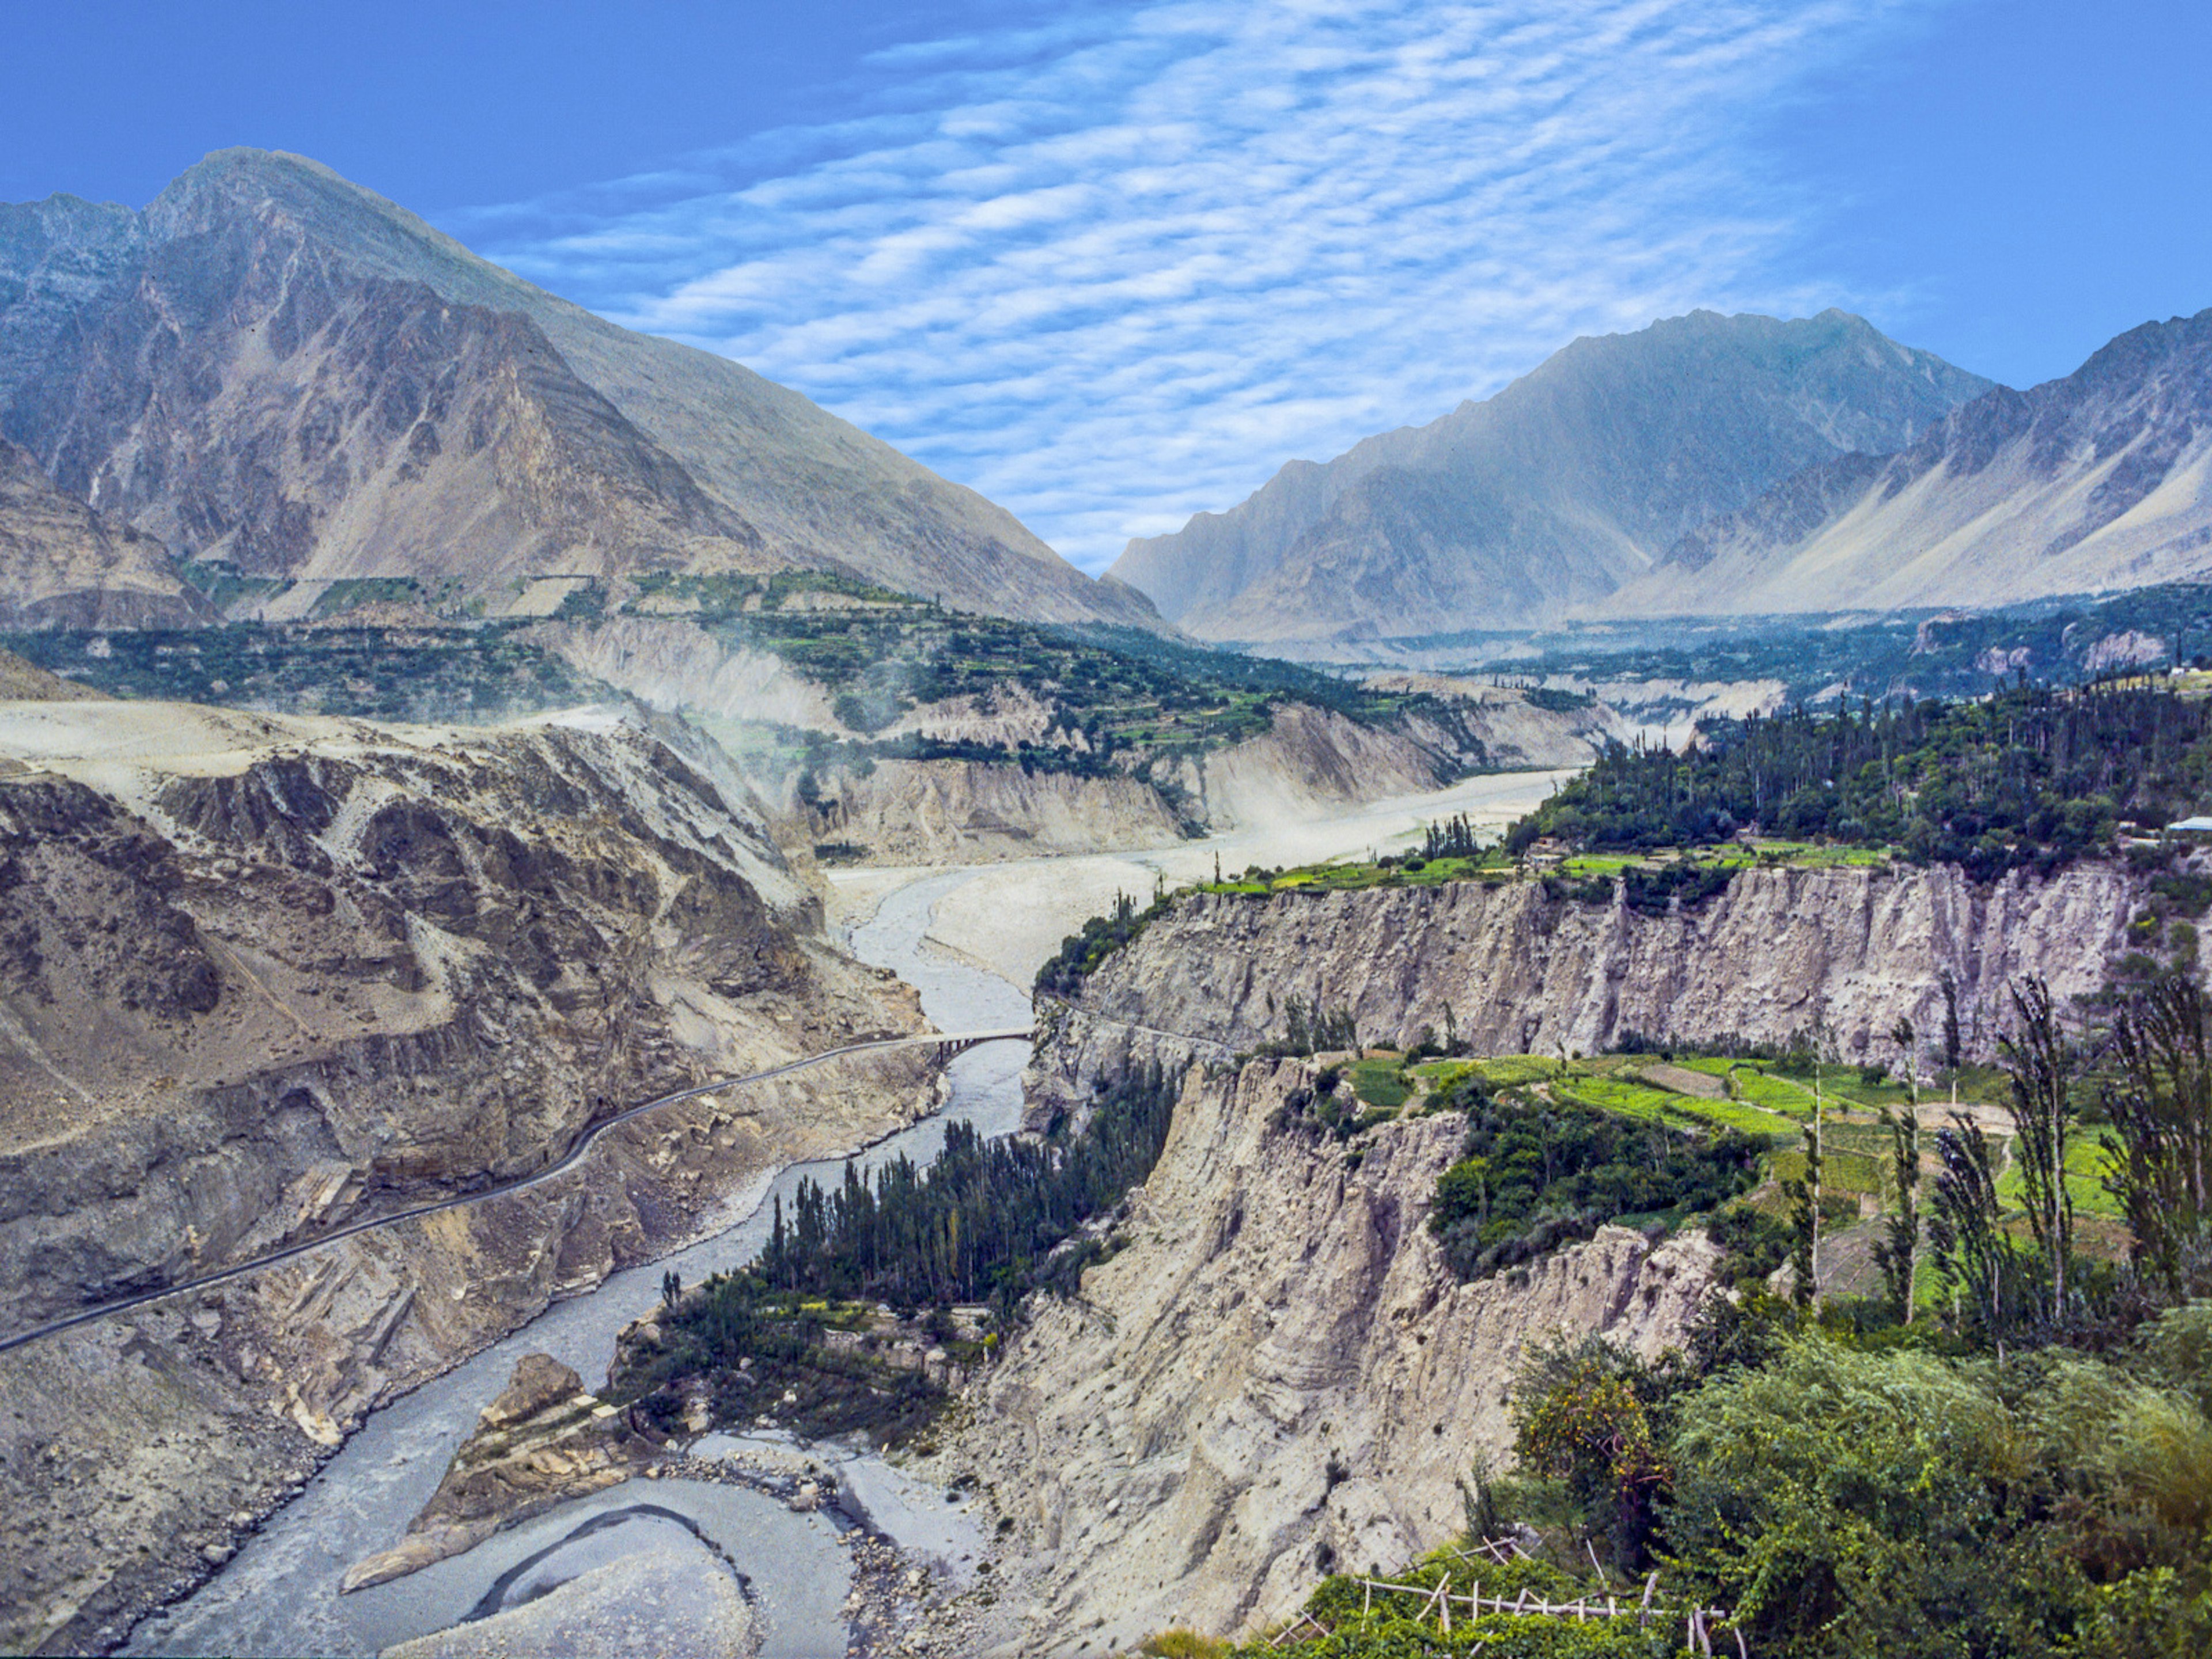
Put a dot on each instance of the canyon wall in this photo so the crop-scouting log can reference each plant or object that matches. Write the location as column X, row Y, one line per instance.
column 1781, row 952
column 1278, row 1376
column 1311, row 760
column 264, row 977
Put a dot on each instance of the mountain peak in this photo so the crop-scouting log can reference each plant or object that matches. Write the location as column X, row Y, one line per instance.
column 2091, row 482
column 1575, row 477
column 413, row 411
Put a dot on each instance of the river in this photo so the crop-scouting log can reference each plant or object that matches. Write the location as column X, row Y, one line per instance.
column 279, row 1595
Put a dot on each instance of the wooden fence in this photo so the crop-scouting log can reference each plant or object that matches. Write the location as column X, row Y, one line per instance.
column 1698, row 1622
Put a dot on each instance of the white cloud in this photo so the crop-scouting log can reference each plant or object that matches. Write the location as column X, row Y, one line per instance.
column 1117, row 271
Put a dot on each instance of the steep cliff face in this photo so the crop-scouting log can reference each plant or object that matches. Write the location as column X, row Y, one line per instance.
column 969, row 811
column 262, row 977
column 62, row 565
column 1779, row 952
column 1278, row 1374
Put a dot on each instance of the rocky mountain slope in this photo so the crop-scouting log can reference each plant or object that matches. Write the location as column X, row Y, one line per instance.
column 1780, row 953
column 1574, row 479
column 1309, row 761
column 2098, row 481
column 277, row 371
column 1277, row 1376
column 63, row 565
column 263, row 976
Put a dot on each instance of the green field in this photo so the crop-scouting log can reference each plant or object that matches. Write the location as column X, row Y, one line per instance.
column 1495, row 866
column 2085, row 1177
column 1378, row 1083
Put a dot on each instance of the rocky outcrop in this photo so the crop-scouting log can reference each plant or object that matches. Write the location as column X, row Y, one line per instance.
column 672, row 663
column 952, row 811
column 1517, row 734
column 1782, row 952
column 543, row 1441
column 62, row 565
column 1311, row 760
column 264, row 977
column 1278, row 1374
column 1308, row 761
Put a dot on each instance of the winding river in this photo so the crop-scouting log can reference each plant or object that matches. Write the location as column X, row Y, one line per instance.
column 279, row 1595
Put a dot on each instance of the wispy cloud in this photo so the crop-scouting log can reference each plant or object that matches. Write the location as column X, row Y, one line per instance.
column 1117, row 270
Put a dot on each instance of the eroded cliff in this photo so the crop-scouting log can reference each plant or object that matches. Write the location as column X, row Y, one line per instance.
column 1781, row 952
column 266, row 977
column 1277, row 1375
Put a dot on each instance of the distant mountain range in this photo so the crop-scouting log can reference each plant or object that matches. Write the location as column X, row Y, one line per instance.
column 1574, row 480
column 2100, row 481
column 275, row 374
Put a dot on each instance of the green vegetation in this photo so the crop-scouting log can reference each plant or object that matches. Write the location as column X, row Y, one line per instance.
column 1825, row 1494
column 1118, row 700
column 1380, row 1082
column 2018, row 1466
column 1903, row 655
column 2032, row 777
column 1539, row 1169
column 988, row 1218
column 1080, row 952
column 990, row 1221
column 426, row 675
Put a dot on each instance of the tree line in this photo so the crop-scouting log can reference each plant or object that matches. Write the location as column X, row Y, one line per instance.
column 986, row 1221
column 2031, row 777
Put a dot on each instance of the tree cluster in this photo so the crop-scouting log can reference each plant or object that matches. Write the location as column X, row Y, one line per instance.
column 2031, row 777
column 1081, row 953
column 984, row 1221
column 1534, row 1173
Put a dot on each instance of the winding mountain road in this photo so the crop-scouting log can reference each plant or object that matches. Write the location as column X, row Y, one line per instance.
column 953, row 1041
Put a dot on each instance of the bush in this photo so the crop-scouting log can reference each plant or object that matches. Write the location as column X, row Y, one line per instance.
column 1846, row 1504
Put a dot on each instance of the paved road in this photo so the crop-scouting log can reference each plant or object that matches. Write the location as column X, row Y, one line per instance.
column 583, row 1143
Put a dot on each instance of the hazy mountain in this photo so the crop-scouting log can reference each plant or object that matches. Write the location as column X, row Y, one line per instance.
column 274, row 367
column 62, row 565
column 2100, row 480
column 1572, row 480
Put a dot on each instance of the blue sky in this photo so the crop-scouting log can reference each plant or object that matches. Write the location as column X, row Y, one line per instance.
column 1115, row 263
